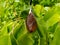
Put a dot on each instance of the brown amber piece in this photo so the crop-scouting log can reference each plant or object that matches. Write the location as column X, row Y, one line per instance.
column 31, row 22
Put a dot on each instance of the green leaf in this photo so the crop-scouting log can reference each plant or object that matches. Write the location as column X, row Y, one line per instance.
column 13, row 40
column 10, row 26
column 16, row 29
column 38, row 9
column 5, row 40
column 52, row 28
column 53, row 20
column 25, row 40
column 42, row 31
column 4, row 30
column 22, row 31
column 56, row 39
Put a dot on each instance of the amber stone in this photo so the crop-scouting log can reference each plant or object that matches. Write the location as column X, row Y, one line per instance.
column 31, row 22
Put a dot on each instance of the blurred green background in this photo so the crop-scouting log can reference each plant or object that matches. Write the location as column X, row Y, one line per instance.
column 13, row 14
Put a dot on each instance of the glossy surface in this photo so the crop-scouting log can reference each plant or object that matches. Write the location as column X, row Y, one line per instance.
column 31, row 23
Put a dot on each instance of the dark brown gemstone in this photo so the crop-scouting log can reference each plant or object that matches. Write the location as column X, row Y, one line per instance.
column 31, row 23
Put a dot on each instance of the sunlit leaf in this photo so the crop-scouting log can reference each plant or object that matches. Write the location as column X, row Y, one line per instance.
column 53, row 20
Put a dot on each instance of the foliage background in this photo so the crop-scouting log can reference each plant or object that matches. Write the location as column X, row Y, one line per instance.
column 13, row 29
